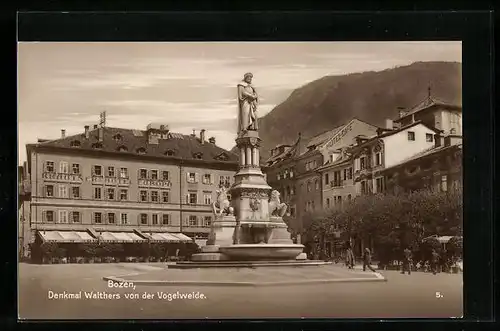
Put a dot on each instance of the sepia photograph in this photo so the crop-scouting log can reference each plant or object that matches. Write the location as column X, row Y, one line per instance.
column 240, row 180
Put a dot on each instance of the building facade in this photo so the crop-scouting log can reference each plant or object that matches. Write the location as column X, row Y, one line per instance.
column 438, row 169
column 122, row 181
column 388, row 148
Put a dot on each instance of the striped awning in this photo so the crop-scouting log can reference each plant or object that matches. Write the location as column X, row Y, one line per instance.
column 122, row 237
column 169, row 237
column 66, row 236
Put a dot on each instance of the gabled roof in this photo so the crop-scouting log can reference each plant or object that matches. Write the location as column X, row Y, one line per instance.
column 127, row 141
column 324, row 136
column 428, row 103
column 393, row 132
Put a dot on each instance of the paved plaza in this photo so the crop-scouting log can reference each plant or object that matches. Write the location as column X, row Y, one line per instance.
column 400, row 296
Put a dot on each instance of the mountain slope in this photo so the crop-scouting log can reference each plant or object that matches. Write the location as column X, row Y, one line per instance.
column 370, row 96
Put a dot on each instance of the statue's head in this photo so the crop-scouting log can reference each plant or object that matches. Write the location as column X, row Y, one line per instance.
column 248, row 77
column 275, row 195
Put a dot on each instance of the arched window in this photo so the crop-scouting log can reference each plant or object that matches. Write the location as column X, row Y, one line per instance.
column 198, row 156
column 122, row 149
column 308, row 186
column 170, row 152
column 141, row 150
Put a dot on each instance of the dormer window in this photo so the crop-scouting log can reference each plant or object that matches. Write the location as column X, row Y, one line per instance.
column 122, row 149
column 117, row 137
column 170, row 152
column 141, row 150
column 75, row 143
column 97, row 145
column 222, row 157
column 198, row 156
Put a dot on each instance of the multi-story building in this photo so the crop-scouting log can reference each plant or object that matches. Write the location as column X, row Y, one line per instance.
column 24, row 197
column 121, row 182
column 439, row 168
column 294, row 168
column 388, row 148
column 435, row 113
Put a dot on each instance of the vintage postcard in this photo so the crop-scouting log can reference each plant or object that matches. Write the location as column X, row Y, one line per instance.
column 240, row 180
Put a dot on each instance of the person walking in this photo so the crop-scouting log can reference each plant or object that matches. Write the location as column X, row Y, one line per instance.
column 367, row 260
column 349, row 256
column 434, row 261
column 407, row 261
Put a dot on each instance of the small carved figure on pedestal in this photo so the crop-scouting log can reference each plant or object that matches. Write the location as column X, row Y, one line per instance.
column 221, row 206
column 276, row 207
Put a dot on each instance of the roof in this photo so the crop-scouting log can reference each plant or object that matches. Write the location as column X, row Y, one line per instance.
column 341, row 160
column 127, row 141
column 390, row 133
column 428, row 103
column 424, row 153
column 324, row 136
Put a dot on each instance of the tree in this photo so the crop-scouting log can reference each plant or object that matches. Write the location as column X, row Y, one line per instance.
column 393, row 221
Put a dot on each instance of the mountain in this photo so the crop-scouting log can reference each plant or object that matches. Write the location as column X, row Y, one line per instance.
column 370, row 96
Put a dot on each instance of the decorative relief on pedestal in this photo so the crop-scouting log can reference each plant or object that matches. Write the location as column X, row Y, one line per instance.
column 254, row 201
column 251, row 192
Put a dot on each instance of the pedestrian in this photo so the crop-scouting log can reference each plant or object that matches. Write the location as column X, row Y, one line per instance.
column 407, row 261
column 349, row 256
column 367, row 260
column 434, row 261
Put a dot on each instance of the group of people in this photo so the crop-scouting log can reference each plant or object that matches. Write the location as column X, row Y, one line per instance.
column 433, row 263
column 350, row 260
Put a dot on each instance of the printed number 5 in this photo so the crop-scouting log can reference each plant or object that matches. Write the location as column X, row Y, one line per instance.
column 439, row 295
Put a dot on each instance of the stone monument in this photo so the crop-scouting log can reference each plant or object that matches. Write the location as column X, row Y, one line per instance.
column 251, row 226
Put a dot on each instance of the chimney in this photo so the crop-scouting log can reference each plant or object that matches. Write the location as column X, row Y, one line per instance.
column 63, row 133
column 202, row 136
column 402, row 111
column 101, row 134
column 87, row 131
column 211, row 140
column 95, row 126
column 153, row 138
column 389, row 124
column 194, row 133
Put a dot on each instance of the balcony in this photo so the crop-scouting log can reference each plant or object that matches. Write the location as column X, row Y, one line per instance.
column 62, row 177
column 98, row 179
column 154, row 183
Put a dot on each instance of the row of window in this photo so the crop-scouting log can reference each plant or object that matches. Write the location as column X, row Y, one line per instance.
column 122, row 194
column 109, row 193
column 429, row 137
column 311, row 165
column 122, row 172
column 287, row 173
column 207, row 179
column 336, row 200
column 65, row 217
column 337, row 180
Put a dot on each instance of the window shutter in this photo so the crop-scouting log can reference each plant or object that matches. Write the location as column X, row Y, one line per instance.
column 186, row 221
column 44, row 216
column 197, row 202
column 70, row 217
column 187, row 198
column 211, row 179
column 187, row 177
column 196, row 177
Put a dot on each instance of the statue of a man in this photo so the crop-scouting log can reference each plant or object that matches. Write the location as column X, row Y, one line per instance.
column 247, row 101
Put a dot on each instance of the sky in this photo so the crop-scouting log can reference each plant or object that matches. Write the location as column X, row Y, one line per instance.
column 185, row 85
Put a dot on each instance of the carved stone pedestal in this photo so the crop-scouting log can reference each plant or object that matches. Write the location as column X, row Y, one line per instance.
column 280, row 234
column 221, row 234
